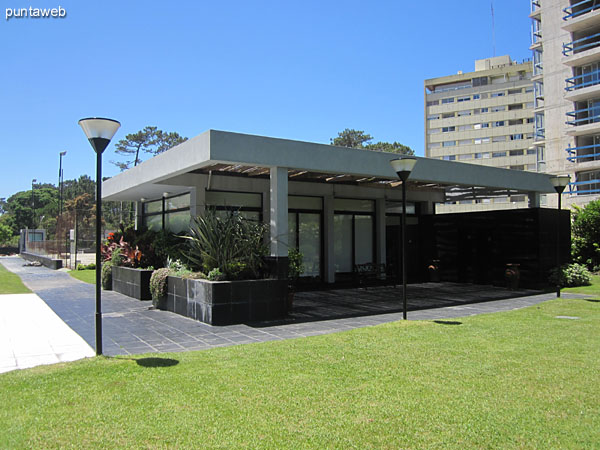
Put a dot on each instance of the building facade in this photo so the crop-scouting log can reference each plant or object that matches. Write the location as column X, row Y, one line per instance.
column 566, row 77
column 483, row 117
column 340, row 207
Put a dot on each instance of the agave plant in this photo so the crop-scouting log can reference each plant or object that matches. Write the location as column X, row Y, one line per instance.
column 230, row 243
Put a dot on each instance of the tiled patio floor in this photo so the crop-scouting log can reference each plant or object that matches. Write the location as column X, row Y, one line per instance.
column 131, row 326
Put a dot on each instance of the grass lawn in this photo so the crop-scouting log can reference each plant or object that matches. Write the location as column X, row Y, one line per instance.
column 594, row 289
column 520, row 379
column 11, row 283
column 87, row 276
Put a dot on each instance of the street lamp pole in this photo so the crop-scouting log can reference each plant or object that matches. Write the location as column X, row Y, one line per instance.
column 403, row 167
column 60, row 183
column 99, row 132
column 33, row 203
column 559, row 182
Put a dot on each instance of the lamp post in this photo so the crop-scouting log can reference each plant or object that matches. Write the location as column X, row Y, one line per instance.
column 60, row 183
column 403, row 167
column 99, row 132
column 559, row 182
column 33, row 203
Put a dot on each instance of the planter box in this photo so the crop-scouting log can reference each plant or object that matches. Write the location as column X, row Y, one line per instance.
column 227, row 302
column 132, row 282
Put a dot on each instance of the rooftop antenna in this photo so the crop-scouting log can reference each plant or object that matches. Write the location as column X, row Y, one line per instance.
column 493, row 29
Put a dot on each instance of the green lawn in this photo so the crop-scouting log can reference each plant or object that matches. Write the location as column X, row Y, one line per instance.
column 11, row 283
column 594, row 289
column 520, row 379
column 87, row 276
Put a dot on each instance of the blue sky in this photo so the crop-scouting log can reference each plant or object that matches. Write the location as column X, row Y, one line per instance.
column 293, row 69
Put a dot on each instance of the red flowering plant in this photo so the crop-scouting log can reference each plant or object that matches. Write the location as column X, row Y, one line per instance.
column 121, row 253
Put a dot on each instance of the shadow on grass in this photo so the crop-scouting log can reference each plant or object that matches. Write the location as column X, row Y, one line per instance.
column 447, row 322
column 156, row 362
column 593, row 300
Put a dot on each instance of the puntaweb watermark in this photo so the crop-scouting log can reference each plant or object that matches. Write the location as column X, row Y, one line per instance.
column 35, row 13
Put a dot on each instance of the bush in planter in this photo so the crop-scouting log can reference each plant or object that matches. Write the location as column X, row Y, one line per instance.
column 158, row 286
column 230, row 243
column 215, row 275
column 106, row 276
column 571, row 275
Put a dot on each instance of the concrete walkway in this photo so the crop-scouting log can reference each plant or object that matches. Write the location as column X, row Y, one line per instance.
column 132, row 327
column 31, row 334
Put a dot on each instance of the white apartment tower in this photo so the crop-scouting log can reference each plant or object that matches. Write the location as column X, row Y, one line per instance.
column 566, row 77
column 483, row 117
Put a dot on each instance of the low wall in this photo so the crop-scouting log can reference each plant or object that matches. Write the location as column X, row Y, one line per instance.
column 53, row 264
column 132, row 282
column 227, row 302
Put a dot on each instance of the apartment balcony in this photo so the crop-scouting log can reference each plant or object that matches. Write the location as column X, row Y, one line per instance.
column 581, row 15
column 583, row 86
column 582, row 51
column 584, row 187
column 539, row 135
column 584, row 121
column 583, row 154
column 581, row 44
column 536, row 9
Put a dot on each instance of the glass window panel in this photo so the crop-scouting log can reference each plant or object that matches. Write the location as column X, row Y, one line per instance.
column 292, row 230
column 250, row 215
column 396, row 208
column 310, row 243
column 297, row 202
column 181, row 201
column 346, row 204
column 363, row 239
column 153, row 207
column 153, row 223
column 342, row 242
column 178, row 222
column 234, row 199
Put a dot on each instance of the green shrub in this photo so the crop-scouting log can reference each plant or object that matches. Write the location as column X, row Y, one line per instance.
column 571, row 275
column 106, row 276
column 91, row 266
column 295, row 264
column 5, row 234
column 232, row 244
column 158, row 286
column 216, row 275
column 585, row 247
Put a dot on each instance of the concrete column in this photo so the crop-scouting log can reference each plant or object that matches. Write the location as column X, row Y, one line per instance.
column 198, row 197
column 278, row 221
column 328, row 255
column 278, row 199
column 427, row 208
column 534, row 199
column 139, row 210
column 380, row 241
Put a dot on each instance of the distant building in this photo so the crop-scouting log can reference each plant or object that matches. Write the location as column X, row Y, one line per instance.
column 566, row 77
column 483, row 117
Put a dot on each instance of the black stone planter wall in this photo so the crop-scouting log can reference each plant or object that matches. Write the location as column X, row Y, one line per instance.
column 132, row 282
column 227, row 302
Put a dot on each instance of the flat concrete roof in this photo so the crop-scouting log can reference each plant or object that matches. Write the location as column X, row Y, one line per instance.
column 245, row 155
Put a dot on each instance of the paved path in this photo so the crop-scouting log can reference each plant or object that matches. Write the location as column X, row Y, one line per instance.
column 131, row 327
column 32, row 334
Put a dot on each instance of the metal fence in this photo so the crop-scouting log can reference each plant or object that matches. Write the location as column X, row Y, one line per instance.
column 72, row 240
